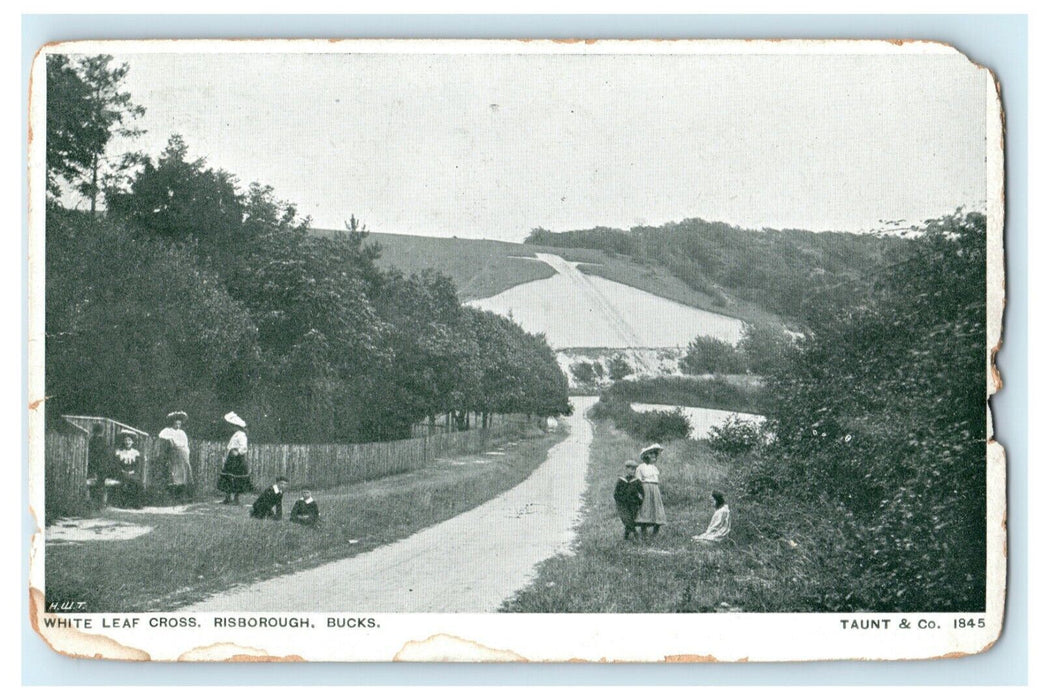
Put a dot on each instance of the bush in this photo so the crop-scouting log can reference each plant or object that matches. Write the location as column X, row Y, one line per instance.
column 763, row 347
column 735, row 437
column 711, row 392
column 709, row 355
column 619, row 368
column 651, row 426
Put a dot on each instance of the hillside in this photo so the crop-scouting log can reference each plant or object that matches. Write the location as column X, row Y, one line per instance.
column 480, row 267
column 733, row 270
column 483, row 268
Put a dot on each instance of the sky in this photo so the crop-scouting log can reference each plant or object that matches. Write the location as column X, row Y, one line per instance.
column 492, row 146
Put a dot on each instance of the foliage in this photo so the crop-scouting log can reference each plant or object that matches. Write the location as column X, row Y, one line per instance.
column 326, row 346
column 735, row 437
column 651, row 426
column 586, row 372
column 134, row 327
column 708, row 392
column 787, row 272
column 761, row 347
column 880, row 416
column 709, row 355
column 619, row 368
column 86, row 108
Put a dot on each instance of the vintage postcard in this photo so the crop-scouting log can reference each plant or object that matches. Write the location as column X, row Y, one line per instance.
column 473, row 350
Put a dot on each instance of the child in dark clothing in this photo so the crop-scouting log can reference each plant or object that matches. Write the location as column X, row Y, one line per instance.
column 305, row 510
column 629, row 493
column 269, row 503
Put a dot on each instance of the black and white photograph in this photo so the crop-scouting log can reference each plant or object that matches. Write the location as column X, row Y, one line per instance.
column 515, row 350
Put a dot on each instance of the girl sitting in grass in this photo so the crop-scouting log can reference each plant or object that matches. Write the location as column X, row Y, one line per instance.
column 720, row 524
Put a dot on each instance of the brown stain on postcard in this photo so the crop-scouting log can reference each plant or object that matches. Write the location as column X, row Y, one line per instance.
column 70, row 641
column 446, row 647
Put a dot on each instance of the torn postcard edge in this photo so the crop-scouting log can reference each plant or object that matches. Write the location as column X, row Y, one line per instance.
column 308, row 625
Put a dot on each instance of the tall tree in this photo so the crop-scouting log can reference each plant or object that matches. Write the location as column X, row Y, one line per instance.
column 109, row 112
column 68, row 153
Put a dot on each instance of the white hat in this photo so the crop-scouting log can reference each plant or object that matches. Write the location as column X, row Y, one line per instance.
column 650, row 448
column 233, row 418
column 174, row 415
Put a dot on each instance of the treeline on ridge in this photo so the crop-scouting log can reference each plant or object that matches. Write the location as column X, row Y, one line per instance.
column 783, row 271
column 186, row 291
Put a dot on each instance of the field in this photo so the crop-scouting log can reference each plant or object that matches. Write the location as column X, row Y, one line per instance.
column 751, row 571
column 210, row 548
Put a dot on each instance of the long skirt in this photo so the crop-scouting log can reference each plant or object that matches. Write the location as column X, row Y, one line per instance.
column 652, row 511
column 179, row 468
column 235, row 477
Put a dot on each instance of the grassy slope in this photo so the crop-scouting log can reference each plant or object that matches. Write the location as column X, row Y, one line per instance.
column 671, row 573
column 658, row 281
column 187, row 557
column 482, row 268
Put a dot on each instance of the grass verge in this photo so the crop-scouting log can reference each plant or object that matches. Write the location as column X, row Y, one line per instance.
column 211, row 547
column 751, row 572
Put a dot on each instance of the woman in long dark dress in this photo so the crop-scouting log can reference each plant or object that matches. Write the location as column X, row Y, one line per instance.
column 126, row 468
column 235, row 475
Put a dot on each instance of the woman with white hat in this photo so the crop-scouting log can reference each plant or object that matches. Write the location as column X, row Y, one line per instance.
column 235, row 476
column 652, row 512
column 175, row 455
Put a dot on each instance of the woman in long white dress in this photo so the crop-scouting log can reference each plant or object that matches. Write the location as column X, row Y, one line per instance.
column 652, row 511
column 175, row 455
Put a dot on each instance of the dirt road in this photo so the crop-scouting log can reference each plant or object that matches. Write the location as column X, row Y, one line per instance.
column 471, row 563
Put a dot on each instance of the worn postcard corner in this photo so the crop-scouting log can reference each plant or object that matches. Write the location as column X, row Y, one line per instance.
column 494, row 350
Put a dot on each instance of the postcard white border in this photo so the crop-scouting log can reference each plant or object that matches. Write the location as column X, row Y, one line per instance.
column 529, row 637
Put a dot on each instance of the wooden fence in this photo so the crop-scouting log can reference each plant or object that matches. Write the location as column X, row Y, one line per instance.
column 316, row 466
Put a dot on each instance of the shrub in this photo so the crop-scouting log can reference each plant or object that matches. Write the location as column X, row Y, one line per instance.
column 735, row 437
column 763, row 347
column 708, row 392
column 709, row 355
column 651, row 426
column 619, row 368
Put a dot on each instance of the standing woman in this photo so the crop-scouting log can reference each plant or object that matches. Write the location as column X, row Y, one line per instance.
column 174, row 455
column 235, row 476
column 652, row 512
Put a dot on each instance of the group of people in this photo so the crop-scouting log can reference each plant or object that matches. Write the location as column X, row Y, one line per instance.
column 115, row 477
column 638, row 501
column 269, row 505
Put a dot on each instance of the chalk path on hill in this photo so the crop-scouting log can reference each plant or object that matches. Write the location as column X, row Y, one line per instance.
column 470, row 563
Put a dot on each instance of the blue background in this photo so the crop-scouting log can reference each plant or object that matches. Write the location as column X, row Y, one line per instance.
column 997, row 41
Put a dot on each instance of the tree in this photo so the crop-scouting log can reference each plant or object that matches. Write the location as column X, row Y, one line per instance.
column 762, row 346
column 134, row 327
column 184, row 201
column 68, row 150
column 86, row 108
column 880, row 415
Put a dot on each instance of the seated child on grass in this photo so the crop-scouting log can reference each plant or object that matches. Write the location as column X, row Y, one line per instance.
column 305, row 510
column 269, row 503
column 720, row 524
